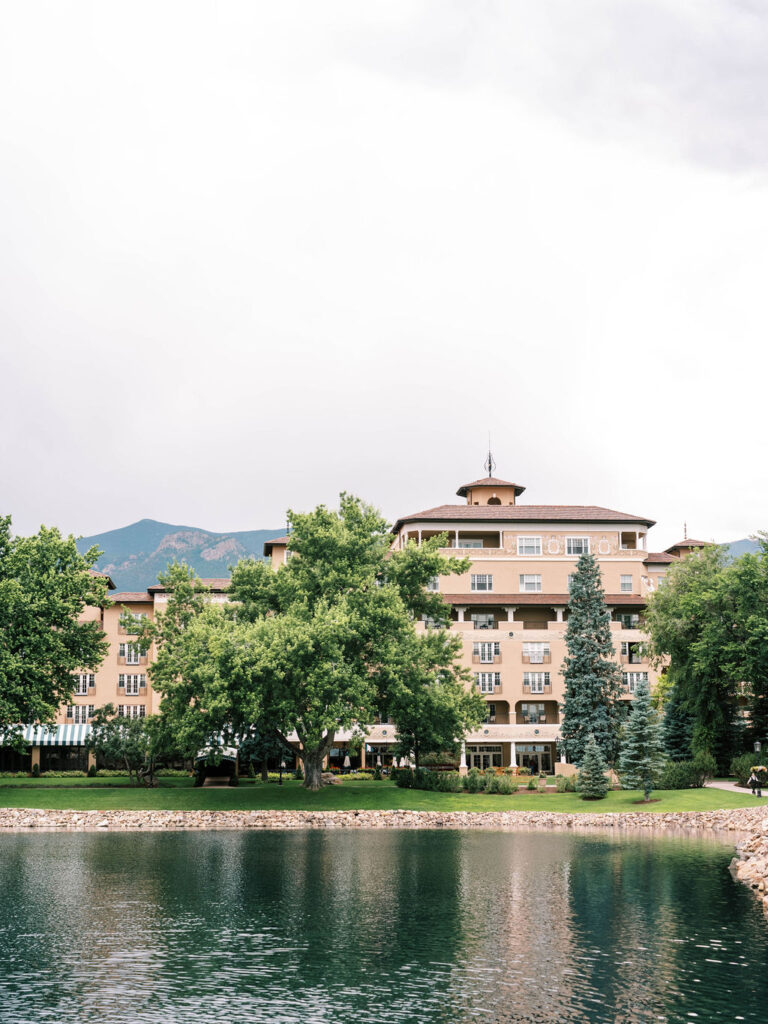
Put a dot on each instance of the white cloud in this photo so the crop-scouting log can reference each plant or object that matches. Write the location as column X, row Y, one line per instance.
column 254, row 255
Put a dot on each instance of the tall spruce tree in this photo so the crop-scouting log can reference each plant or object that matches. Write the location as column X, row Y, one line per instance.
column 592, row 677
column 677, row 728
column 593, row 782
column 642, row 748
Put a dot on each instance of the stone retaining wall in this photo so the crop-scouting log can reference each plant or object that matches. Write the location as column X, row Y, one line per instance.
column 750, row 866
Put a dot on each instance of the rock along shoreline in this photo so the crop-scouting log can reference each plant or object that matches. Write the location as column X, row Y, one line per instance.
column 749, row 825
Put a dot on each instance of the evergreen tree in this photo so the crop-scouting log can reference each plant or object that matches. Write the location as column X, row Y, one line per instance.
column 593, row 781
column 592, row 677
column 677, row 728
column 642, row 749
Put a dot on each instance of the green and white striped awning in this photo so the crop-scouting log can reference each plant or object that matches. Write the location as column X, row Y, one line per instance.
column 60, row 736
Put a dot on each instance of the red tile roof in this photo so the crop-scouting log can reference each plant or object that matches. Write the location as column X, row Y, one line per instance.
column 660, row 558
column 104, row 576
column 213, row 583
column 551, row 600
column 275, row 542
column 691, row 544
column 523, row 513
column 488, row 481
column 131, row 595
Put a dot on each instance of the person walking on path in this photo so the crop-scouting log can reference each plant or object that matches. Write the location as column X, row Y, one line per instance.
column 755, row 783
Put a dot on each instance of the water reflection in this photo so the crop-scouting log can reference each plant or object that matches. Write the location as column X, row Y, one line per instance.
column 326, row 926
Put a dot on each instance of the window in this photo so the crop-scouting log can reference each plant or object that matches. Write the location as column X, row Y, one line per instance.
column 630, row 650
column 82, row 682
column 577, row 545
column 132, row 710
column 486, row 651
column 626, row 585
column 130, row 652
column 79, row 712
column 482, row 582
column 529, row 545
column 536, row 652
column 491, row 716
column 628, row 541
column 483, row 620
column 485, row 681
column 536, row 681
column 434, row 583
column 533, row 714
column 530, row 583
column 629, row 620
column 131, row 684
column 632, row 680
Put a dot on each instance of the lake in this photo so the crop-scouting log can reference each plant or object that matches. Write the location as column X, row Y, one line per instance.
column 334, row 927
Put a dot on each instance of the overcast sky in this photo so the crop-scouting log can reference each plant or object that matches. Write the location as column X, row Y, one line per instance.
column 252, row 254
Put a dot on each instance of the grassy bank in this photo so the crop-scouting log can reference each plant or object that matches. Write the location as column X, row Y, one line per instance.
column 181, row 795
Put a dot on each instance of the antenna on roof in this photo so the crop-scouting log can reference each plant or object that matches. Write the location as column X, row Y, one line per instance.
column 490, row 462
column 685, row 531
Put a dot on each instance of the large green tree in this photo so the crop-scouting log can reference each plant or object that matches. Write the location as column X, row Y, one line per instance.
column 592, row 705
column 337, row 629
column 45, row 585
column 710, row 620
column 207, row 665
column 430, row 701
column 642, row 747
column 137, row 745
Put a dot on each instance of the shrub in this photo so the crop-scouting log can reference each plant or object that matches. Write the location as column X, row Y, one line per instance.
column 742, row 766
column 92, row 771
column 474, row 780
column 681, row 775
column 532, row 784
column 377, row 774
column 59, row 775
column 298, row 774
column 234, row 780
column 35, row 771
column 706, row 766
column 251, row 770
column 449, row 782
column 505, row 785
column 525, row 771
column 491, row 782
column 561, row 783
column 403, row 778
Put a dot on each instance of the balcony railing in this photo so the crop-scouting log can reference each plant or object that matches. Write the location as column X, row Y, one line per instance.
column 546, row 688
column 545, row 659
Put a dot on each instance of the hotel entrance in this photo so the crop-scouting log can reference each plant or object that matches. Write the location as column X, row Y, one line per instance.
column 537, row 757
column 484, row 756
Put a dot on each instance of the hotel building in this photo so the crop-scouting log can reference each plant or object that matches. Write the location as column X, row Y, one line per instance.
column 510, row 609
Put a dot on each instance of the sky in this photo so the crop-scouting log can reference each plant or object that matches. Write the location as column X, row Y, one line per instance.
column 252, row 255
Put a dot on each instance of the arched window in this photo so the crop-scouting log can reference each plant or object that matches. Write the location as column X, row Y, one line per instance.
column 494, row 501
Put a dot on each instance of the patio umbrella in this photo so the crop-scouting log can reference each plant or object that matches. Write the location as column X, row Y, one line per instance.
column 347, row 762
column 378, row 760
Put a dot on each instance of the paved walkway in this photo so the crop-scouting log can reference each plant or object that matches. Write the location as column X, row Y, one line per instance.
column 730, row 785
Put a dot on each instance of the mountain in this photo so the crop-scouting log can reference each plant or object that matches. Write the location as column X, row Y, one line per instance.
column 741, row 547
column 135, row 554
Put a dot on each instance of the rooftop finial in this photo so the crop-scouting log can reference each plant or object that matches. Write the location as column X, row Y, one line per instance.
column 685, row 531
column 490, row 462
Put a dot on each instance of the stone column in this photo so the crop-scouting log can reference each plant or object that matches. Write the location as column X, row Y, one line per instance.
column 511, row 609
column 463, row 761
column 35, row 758
column 559, row 614
column 460, row 609
column 362, row 756
column 513, row 754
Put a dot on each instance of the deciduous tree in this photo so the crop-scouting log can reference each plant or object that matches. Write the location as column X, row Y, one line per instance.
column 45, row 585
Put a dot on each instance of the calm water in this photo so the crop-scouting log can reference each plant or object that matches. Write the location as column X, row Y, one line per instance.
column 338, row 927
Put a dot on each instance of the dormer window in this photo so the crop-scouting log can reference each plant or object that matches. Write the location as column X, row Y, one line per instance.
column 494, row 500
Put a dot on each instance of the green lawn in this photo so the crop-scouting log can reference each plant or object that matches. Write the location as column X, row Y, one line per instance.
column 179, row 794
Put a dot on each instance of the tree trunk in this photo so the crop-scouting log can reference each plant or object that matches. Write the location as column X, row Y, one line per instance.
column 416, row 753
column 265, row 770
column 313, row 767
